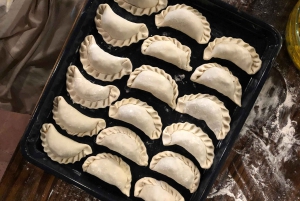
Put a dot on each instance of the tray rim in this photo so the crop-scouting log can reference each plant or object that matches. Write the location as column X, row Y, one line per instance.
column 245, row 111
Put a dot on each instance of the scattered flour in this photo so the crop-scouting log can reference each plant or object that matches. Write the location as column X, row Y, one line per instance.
column 276, row 144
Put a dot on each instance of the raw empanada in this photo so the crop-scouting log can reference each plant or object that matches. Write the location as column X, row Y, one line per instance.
column 74, row 122
column 139, row 114
column 156, row 81
column 125, row 142
column 87, row 94
column 111, row 169
column 177, row 167
column 60, row 148
column 144, row 7
column 116, row 30
column 208, row 108
column 191, row 138
column 219, row 78
column 236, row 51
column 169, row 50
column 185, row 19
column 150, row 189
column 100, row 64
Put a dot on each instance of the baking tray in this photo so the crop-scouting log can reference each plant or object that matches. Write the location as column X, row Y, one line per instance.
column 224, row 20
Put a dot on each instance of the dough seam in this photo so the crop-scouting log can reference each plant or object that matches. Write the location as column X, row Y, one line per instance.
column 156, row 119
column 142, row 11
column 184, row 48
column 113, row 93
column 137, row 71
column 141, row 183
column 238, row 90
column 142, row 33
column 116, row 130
column 159, row 18
column 185, row 160
column 225, row 113
column 88, row 40
column 256, row 65
column 86, row 151
column 170, row 130
column 121, row 163
column 100, row 125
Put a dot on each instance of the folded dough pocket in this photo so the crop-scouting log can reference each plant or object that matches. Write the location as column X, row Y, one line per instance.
column 116, row 30
column 100, row 64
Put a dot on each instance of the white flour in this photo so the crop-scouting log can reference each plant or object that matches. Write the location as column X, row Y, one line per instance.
column 276, row 145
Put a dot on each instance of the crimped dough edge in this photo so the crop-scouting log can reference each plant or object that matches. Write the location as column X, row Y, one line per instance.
column 143, row 156
column 159, row 18
column 126, row 65
column 192, row 128
column 184, row 48
column 113, row 95
column 121, row 163
column 225, row 113
column 238, row 88
column 113, row 109
column 100, row 125
column 86, row 151
column 161, row 4
column 185, row 160
column 141, row 183
column 140, row 35
column 256, row 65
column 137, row 71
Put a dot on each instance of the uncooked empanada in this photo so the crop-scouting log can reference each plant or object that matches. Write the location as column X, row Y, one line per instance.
column 219, row 78
column 156, row 81
column 125, row 142
column 111, row 169
column 235, row 50
column 169, row 50
column 145, row 7
column 208, row 108
column 150, row 189
column 191, row 138
column 100, row 64
column 185, row 19
column 87, row 94
column 177, row 167
column 116, row 30
column 74, row 122
column 139, row 114
column 60, row 148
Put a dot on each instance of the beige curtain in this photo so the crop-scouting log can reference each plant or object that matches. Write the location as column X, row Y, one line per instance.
column 32, row 33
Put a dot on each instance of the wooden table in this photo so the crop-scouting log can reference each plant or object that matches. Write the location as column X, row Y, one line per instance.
column 264, row 163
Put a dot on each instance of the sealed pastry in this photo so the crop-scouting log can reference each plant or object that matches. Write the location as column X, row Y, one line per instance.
column 169, row 50
column 125, row 142
column 235, row 50
column 150, row 189
column 191, row 138
column 219, row 78
column 116, row 30
column 139, row 114
column 74, row 122
column 185, row 19
column 178, row 168
column 111, row 169
column 145, row 7
column 156, row 81
column 100, row 64
column 208, row 108
column 88, row 94
column 60, row 148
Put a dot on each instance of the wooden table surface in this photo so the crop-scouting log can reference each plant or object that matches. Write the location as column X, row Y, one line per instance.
column 264, row 163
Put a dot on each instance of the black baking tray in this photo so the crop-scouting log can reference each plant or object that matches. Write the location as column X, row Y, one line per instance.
column 224, row 20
